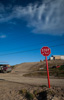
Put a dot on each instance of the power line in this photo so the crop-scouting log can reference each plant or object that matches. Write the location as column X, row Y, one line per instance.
column 3, row 62
column 57, row 45
column 20, row 52
column 34, row 44
column 30, row 50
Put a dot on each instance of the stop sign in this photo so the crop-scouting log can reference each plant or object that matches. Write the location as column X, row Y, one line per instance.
column 45, row 51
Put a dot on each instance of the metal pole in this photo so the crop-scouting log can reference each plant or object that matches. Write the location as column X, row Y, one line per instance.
column 47, row 72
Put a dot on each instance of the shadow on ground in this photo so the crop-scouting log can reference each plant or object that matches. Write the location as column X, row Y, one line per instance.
column 42, row 95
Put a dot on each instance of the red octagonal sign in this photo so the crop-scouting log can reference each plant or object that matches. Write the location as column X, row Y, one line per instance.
column 45, row 51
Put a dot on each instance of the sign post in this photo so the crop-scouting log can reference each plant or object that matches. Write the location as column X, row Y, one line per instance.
column 45, row 51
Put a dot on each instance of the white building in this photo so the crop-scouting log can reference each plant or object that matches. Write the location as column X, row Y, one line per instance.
column 62, row 57
column 57, row 57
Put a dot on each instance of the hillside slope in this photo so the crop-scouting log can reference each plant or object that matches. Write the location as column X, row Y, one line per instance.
column 34, row 66
column 24, row 67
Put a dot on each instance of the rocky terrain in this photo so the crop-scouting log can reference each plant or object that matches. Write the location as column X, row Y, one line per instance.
column 16, row 86
column 18, row 91
column 34, row 66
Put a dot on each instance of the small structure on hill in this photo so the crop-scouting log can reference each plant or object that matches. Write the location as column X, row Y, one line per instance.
column 57, row 57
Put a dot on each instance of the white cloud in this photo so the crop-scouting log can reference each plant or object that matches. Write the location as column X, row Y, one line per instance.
column 47, row 18
column 2, row 36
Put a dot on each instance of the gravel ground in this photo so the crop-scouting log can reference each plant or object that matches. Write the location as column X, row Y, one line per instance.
column 32, row 81
column 10, row 91
column 11, row 83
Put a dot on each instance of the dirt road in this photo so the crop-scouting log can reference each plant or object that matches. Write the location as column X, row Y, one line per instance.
column 11, row 83
column 33, row 81
column 17, row 76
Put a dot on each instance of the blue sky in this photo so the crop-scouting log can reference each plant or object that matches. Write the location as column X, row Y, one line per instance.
column 28, row 25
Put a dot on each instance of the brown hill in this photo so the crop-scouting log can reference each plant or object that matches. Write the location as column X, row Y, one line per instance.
column 34, row 66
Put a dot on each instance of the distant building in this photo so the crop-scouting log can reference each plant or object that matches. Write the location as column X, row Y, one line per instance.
column 57, row 57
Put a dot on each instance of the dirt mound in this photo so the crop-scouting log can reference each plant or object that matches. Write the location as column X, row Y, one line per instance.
column 16, row 91
column 24, row 67
column 43, row 93
column 34, row 66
